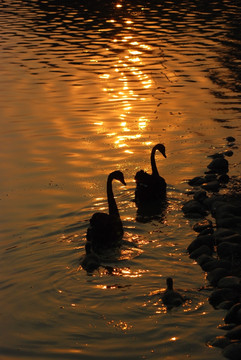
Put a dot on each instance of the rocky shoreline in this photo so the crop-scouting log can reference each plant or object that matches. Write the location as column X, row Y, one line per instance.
column 216, row 204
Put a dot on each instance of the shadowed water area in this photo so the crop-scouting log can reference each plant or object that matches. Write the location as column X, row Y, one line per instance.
column 86, row 88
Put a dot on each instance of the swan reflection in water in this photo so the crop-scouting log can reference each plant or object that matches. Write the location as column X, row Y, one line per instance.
column 150, row 192
column 91, row 261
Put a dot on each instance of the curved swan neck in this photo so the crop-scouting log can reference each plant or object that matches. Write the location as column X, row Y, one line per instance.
column 113, row 210
column 153, row 162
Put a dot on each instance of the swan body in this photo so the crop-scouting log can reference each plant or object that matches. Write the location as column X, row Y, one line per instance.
column 106, row 230
column 150, row 187
column 171, row 297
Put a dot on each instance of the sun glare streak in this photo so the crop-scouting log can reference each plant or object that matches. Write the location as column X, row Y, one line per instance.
column 127, row 71
column 142, row 121
column 173, row 338
column 134, row 52
column 105, row 76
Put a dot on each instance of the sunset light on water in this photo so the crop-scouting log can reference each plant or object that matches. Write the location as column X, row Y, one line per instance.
column 89, row 88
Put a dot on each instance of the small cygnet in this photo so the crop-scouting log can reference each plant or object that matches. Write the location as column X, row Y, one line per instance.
column 171, row 297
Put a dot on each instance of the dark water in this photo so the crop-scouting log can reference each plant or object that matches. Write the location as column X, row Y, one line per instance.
column 88, row 87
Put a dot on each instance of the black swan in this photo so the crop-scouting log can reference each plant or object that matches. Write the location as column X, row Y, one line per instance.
column 106, row 230
column 171, row 297
column 150, row 187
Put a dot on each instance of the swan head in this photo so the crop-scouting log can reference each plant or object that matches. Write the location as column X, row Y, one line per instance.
column 118, row 175
column 161, row 148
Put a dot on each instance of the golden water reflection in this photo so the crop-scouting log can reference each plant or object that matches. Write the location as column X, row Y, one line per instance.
column 126, row 86
column 121, row 325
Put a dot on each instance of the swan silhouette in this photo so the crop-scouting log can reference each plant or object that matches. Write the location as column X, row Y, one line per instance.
column 171, row 297
column 106, row 230
column 150, row 187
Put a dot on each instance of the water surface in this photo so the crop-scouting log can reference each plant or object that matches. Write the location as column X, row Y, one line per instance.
column 87, row 88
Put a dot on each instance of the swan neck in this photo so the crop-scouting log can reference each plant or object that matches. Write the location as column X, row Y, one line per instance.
column 153, row 163
column 113, row 210
column 169, row 284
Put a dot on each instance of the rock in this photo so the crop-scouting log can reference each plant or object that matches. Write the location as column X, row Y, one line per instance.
column 230, row 251
column 235, row 333
column 210, row 177
column 231, row 316
column 229, row 282
column 226, row 208
column 216, row 155
column 219, row 165
column 238, row 319
column 216, row 263
column 216, row 203
column 230, row 139
column 229, row 239
column 219, row 341
column 204, row 249
column 202, row 225
column 223, row 179
column 200, row 196
column 221, row 233
column 215, row 275
column 204, row 258
column 201, row 240
column 227, row 220
column 232, row 351
column 220, row 295
column 211, row 186
column 228, row 153
column 225, row 305
column 234, row 238
column 226, row 326
column 194, row 209
column 196, row 181
column 208, row 231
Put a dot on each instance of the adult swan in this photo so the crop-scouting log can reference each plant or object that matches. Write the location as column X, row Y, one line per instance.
column 106, row 230
column 150, row 187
